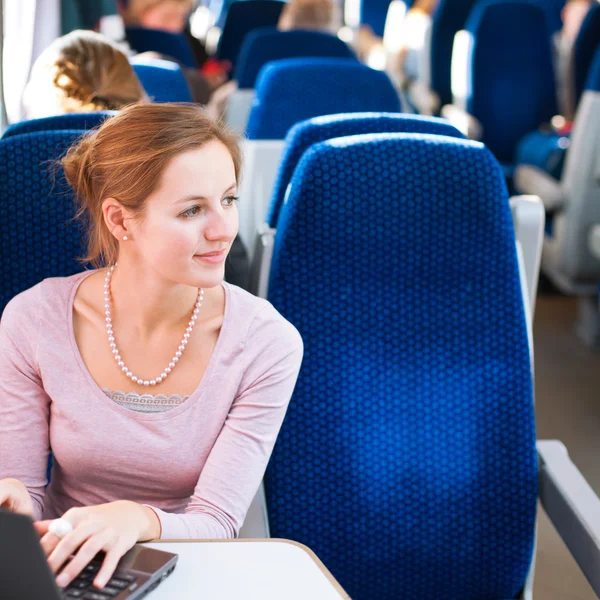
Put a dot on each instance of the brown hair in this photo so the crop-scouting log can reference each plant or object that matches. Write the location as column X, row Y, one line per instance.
column 125, row 159
column 82, row 71
column 307, row 14
column 135, row 9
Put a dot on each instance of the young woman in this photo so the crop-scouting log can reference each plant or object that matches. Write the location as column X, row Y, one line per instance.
column 159, row 389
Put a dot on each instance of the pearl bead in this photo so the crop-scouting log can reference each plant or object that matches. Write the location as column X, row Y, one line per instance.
column 121, row 363
column 124, row 369
column 194, row 318
column 178, row 354
column 158, row 380
column 175, row 359
column 163, row 375
column 184, row 342
column 186, row 336
column 188, row 330
column 181, row 348
column 113, row 345
column 146, row 383
column 168, row 369
column 111, row 338
column 153, row 382
column 108, row 320
column 133, row 377
column 115, row 351
column 171, row 365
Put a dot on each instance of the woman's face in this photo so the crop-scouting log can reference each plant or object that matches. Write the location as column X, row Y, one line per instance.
column 191, row 220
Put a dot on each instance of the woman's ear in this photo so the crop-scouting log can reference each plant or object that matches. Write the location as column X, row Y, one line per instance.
column 115, row 217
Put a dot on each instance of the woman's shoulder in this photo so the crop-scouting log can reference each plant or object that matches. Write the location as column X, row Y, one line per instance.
column 264, row 325
column 45, row 300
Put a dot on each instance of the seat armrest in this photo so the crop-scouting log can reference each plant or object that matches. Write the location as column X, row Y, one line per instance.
column 463, row 121
column 572, row 506
column 594, row 241
column 261, row 261
column 528, row 219
column 426, row 101
column 532, row 180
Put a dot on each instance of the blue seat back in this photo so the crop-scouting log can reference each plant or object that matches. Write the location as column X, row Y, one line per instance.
column 374, row 13
column 173, row 45
column 163, row 81
column 242, row 18
column 69, row 121
column 448, row 19
column 293, row 90
column 511, row 75
column 306, row 133
column 40, row 238
column 407, row 457
column 585, row 47
column 268, row 44
column 592, row 83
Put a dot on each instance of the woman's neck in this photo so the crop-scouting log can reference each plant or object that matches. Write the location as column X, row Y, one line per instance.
column 151, row 304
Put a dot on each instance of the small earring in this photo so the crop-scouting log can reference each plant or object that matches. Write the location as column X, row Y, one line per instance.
column 125, row 238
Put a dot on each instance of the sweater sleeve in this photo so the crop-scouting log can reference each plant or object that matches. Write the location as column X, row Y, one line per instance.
column 24, row 405
column 239, row 457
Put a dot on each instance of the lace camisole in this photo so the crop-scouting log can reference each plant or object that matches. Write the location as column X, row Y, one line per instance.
column 145, row 403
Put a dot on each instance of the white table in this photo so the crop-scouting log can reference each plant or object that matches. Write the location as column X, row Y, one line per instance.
column 268, row 569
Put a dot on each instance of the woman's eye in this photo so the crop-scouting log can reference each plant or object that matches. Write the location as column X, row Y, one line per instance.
column 191, row 212
column 230, row 200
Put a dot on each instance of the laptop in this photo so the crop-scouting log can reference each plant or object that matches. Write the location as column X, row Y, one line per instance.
column 25, row 574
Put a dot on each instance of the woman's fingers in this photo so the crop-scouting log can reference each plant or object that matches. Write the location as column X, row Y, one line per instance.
column 49, row 542
column 69, row 544
column 100, row 541
column 113, row 555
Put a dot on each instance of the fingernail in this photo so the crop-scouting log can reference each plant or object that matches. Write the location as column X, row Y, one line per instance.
column 62, row 580
column 100, row 582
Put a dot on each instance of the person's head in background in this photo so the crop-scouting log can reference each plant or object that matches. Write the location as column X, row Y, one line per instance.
column 573, row 14
column 82, row 71
column 307, row 14
column 166, row 15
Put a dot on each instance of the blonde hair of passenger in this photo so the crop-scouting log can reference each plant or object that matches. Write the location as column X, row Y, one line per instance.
column 307, row 14
column 134, row 12
column 80, row 72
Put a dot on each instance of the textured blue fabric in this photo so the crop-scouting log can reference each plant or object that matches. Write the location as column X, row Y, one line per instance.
column 407, row 458
column 58, row 122
column 163, row 81
column 511, row 74
column 306, row 133
column 374, row 13
column 39, row 237
column 545, row 150
column 449, row 18
column 268, row 44
column 586, row 44
column 292, row 90
column 173, row 45
column 242, row 18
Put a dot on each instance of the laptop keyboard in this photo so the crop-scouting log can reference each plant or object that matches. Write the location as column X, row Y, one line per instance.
column 82, row 586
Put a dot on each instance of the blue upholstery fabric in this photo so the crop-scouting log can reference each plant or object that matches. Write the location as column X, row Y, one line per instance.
column 163, row 81
column 242, row 18
column 586, row 44
column 292, row 90
column 407, row 458
column 58, row 122
column 303, row 135
column 374, row 14
column 268, row 44
column 449, row 18
column 545, row 150
column 173, row 45
column 38, row 234
column 512, row 79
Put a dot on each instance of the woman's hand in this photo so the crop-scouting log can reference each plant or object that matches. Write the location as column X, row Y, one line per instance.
column 15, row 497
column 112, row 528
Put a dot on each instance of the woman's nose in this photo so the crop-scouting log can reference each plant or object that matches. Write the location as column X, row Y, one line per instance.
column 222, row 226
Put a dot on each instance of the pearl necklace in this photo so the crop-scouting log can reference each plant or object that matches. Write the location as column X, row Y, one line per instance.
column 115, row 350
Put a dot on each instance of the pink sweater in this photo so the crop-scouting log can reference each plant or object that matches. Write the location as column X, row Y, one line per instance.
column 198, row 465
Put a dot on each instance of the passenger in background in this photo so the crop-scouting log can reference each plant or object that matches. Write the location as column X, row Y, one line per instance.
column 316, row 15
column 573, row 14
column 159, row 389
column 173, row 16
column 80, row 72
